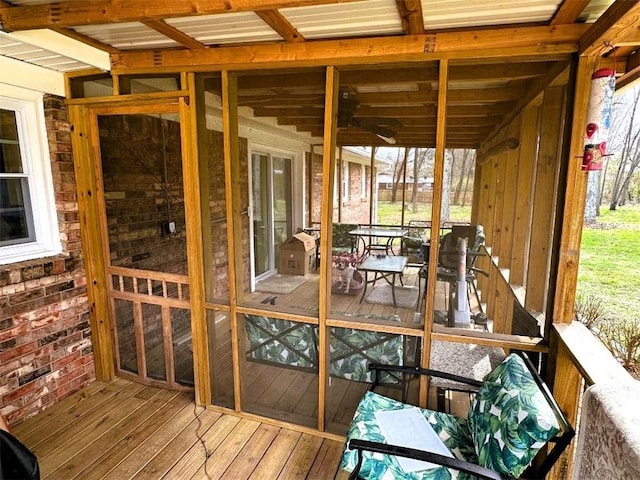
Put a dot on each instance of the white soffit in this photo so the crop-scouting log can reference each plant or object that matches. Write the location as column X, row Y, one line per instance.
column 48, row 57
column 127, row 36
column 227, row 28
column 65, row 46
column 351, row 19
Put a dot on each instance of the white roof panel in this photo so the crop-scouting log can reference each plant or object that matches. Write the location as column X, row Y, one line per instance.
column 369, row 18
column 439, row 14
column 228, row 28
column 127, row 36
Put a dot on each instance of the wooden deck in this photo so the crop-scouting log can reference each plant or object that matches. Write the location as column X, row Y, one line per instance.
column 121, row 430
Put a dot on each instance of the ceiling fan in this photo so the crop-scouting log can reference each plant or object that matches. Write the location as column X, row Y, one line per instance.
column 384, row 128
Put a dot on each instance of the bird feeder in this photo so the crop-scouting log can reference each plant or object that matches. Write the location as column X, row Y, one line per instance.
column 603, row 83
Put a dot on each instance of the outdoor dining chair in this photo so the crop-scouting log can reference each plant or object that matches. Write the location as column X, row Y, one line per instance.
column 511, row 418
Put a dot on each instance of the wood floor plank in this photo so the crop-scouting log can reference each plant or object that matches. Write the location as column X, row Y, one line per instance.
column 70, row 424
column 183, row 402
column 229, row 448
column 245, row 463
column 122, row 430
column 187, row 448
column 214, row 440
column 183, row 425
column 52, row 424
column 302, row 457
column 327, row 461
column 64, row 450
column 37, row 423
column 276, row 456
column 102, row 445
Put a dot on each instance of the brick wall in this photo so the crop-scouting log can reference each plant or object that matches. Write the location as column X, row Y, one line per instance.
column 45, row 344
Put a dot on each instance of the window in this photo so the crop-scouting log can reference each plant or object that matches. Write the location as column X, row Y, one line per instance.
column 363, row 182
column 28, row 227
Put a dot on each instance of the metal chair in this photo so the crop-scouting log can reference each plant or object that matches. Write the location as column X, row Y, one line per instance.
column 512, row 417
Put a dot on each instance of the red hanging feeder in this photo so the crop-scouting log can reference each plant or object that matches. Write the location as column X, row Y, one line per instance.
column 603, row 84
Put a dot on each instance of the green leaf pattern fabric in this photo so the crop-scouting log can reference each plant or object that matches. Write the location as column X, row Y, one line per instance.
column 509, row 418
column 294, row 344
column 352, row 350
column 282, row 342
column 452, row 430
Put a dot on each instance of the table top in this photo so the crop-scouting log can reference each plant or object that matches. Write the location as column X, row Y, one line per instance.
column 384, row 263
column 379, row 232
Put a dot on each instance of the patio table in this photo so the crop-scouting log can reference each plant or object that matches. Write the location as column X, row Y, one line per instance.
column 390, row 234
column 383, row 266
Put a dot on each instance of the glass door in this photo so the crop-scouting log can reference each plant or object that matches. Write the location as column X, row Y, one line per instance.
column 272, row 210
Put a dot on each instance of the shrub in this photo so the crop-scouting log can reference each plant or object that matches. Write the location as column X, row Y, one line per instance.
column 620, row 335
column 590, row 310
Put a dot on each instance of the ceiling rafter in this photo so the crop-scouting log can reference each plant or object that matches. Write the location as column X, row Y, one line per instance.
column 411, row 15
column 281, row 25
column 70, row 14
column 617, row 25
column 569, row 12
column 173, row 33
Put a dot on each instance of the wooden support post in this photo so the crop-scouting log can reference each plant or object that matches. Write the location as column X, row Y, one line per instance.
column 326, row 228
column 575, row 189
column 93, row 246
column 234, row 217
column 195, row 260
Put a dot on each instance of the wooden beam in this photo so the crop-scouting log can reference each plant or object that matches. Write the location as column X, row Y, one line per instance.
column 632, row 72
column 173, row 33
column 528, row 42
column 281, row 25
column 619, row 20
column 411, row 15
column 98, row 12
column 396, row 99
column 569, row 12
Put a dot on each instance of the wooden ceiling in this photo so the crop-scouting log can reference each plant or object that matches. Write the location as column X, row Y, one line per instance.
column 389, row 73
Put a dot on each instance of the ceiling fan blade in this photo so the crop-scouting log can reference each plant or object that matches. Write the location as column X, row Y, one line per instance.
column 373, row 128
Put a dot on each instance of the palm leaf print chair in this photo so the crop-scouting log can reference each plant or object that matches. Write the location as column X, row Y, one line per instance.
column 511, row 418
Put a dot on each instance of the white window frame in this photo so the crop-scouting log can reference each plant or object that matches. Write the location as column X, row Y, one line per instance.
column 34, row 150
column 345, row 181
column 363, row 181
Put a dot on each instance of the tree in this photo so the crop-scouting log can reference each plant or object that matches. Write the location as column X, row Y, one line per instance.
column 629, row 157
column 398, row 173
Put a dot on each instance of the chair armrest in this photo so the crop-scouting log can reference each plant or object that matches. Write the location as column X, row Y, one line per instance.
column 423, row 455
column 421, row 371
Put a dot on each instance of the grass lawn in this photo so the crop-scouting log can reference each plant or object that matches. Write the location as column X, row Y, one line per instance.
column 610, row 261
